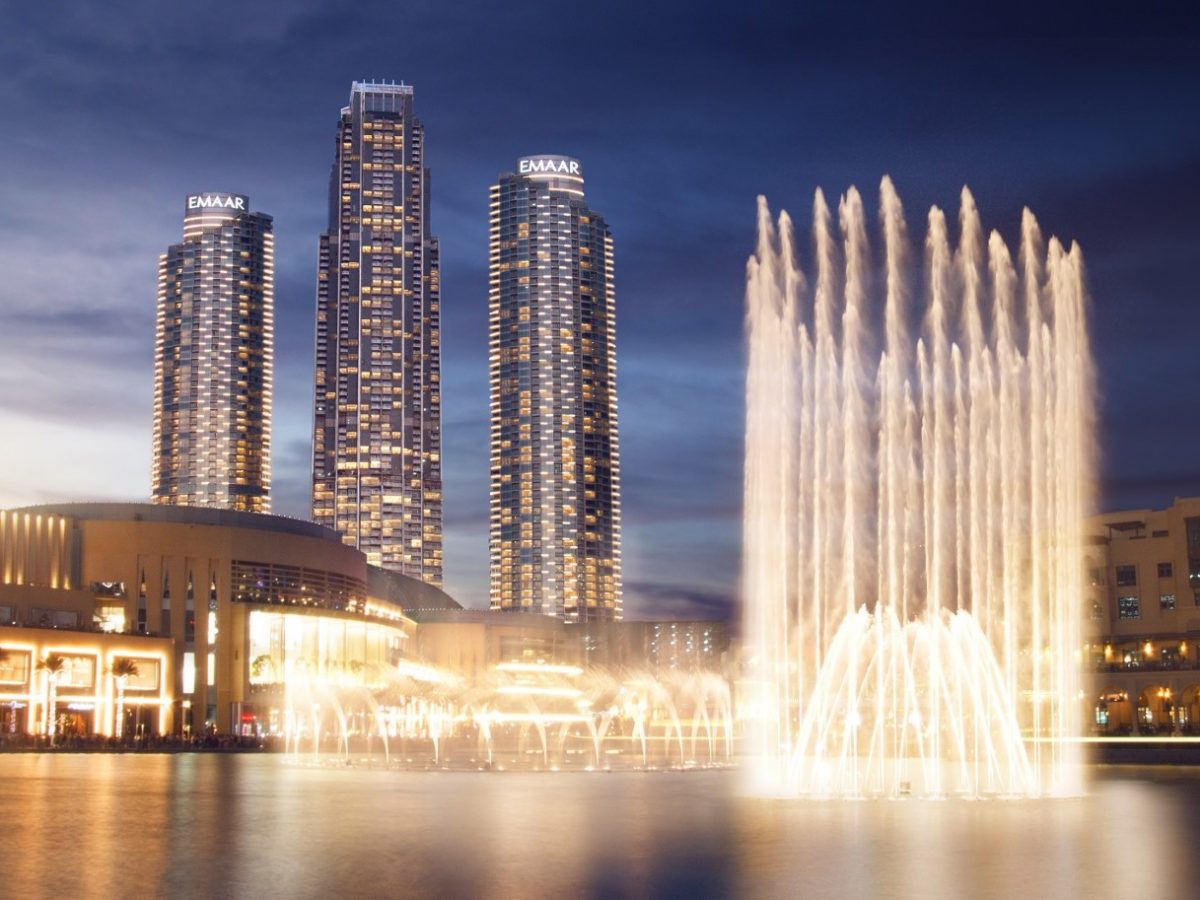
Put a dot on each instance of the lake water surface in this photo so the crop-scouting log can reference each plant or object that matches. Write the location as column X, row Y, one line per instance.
column 213, row 825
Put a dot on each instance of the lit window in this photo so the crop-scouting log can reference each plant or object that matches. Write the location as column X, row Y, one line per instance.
column 1129, row 608
column 188, row 674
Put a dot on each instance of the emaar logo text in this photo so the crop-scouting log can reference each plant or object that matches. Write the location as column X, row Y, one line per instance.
column 216, row 201
column 549, row 167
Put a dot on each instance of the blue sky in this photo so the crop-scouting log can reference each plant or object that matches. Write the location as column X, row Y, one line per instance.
column 682, row 113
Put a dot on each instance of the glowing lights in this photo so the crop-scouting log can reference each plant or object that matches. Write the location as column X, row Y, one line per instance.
column 340, row 651
column 597, row 720
column 35, row 549
column 188, row 673
column 218, row 452
column 883, row 575
column 359, row 431
column 556, row 246
column 408, row 669
column 535, row 690
column 539, row 668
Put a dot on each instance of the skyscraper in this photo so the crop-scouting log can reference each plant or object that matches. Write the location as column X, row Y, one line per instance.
column 555, row 474
column 377, row 471
column 213, row 358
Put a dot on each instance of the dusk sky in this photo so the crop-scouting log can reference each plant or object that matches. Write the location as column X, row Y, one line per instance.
column 681, row 113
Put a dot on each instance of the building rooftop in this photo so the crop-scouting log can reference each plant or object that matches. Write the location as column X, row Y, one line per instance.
column 182, row 515
column 380, row 87
column 402, row 590
column 408, row 593
column 444, row 615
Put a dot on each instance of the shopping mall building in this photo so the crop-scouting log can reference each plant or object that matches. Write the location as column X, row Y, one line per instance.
column 255, row 624
column 214, row 607
column 223, row 612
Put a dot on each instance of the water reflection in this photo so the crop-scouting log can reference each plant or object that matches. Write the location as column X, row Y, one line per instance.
column 239, row 826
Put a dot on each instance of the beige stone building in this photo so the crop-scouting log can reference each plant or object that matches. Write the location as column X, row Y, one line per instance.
column 88, row 693
column 231, row 605
column 262, row 625
column 1144, row 576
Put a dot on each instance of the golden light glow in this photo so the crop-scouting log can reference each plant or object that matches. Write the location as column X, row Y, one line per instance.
column 539, row 668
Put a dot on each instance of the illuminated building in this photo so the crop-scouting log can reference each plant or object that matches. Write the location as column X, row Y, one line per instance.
column 689, row 645
column 377, row 476
column 213, row 359
column 235, row 605
column 85, row 691
column 46, row 613
column 555, row 475
column 470, row 642
column 1143, row 603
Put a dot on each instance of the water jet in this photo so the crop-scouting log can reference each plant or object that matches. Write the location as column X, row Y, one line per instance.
column 916, row 478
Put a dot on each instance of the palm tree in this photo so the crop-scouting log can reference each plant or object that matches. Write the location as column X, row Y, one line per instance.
column 122, row 669
column 52, row 664
column 261, row 665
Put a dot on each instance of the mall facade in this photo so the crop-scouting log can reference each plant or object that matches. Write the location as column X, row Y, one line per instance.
column 251, row 624
column 218, row 609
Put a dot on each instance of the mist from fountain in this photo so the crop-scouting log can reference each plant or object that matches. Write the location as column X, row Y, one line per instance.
column 537, row 715
column 916, row 478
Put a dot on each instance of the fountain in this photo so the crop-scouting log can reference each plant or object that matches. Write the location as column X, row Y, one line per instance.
column 913, row 497
column 517, row 715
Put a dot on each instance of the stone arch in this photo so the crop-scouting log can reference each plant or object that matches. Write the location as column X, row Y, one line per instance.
column 1155, row 709
column 1188, row 709
column 1112, row 712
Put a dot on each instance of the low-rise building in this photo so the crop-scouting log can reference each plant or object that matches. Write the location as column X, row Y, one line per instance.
column 1143, row 572
column 254, row 624
column 236, row 605
column 470, row 642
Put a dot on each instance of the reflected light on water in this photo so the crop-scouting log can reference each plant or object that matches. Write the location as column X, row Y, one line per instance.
column 256, row 826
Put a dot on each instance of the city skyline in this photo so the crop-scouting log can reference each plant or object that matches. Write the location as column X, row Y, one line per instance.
column 1090, row 133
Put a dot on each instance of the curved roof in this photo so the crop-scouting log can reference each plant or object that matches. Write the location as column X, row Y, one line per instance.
column 182, row 515
column 406, row 592
column 402, row 590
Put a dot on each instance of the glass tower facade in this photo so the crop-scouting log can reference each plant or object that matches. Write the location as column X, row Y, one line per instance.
column 377, row 471
column 213, row 359
column 555, row 474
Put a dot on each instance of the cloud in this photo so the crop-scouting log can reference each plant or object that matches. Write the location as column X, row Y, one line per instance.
column 44, row 461
column 112, row 112
column 647, row 600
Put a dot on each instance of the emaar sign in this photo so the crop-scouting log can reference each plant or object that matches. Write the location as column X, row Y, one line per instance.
column 201, row 202
column 549, row 165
